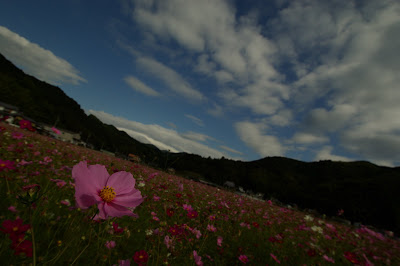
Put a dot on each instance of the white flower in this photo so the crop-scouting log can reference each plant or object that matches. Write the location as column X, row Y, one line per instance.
column 308, row 218
column 149, row 232
column 317, row 229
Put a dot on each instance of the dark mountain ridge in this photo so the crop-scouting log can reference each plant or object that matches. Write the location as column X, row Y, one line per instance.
column 368, row 193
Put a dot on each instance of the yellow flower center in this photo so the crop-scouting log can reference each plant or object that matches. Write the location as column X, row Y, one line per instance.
column 15, row 228
column 3, row 165
column 107, row 194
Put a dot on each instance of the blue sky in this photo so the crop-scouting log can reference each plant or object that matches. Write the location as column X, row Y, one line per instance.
column 306, row 79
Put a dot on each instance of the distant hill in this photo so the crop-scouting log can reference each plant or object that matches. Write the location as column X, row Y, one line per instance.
column 368, row 193
column 46, row 103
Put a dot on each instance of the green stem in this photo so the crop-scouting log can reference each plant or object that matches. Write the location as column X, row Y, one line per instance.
column 90, row 238
column 8, row 186
column 33, row 237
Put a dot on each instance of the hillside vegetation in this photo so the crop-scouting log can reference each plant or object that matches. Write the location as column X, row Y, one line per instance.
column 366, row 192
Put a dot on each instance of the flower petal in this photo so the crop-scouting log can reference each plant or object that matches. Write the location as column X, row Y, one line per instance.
column 122, row 182
column 115, row 210
column 85, row 186
column 99, row 174
column 102, row 213
column 132, row 199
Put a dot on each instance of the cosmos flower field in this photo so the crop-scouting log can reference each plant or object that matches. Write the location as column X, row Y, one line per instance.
column 172, row 220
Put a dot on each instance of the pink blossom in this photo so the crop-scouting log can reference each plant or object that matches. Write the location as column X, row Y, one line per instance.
column 187, row 207
column 6, row 165
column 156, row 198
column 17, row 135
column 219, row 241
column 367, row 262
column 168, row 242
column 244, row 259
column 197, row 258
column 55, row 130
column 275, row 258
column 25, row 124
column 12, row 209
column 23, row 162
column 180, row 187
column 47, row 159
column 59, row 182
column 372, row 233
column 114, row 195
column 65, row 202
column 211, row 228
column 110, row 244
column 328, row 259
column 126, row 262
column 197, row 233
column 331, row 227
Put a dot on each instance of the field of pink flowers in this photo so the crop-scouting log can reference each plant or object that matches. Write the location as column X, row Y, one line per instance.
column 177, row 221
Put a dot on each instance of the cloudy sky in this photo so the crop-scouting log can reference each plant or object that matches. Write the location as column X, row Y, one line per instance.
column 305, row 79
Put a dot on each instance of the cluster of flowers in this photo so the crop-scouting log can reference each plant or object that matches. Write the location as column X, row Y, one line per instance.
column 16, row 232
column 26, row 124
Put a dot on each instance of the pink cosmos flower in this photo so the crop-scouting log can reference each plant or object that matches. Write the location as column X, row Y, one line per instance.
column 12, row 209
column 219, row 241
column 6, row 165
column 65, row 202
column 25, row 124
column 110, row 244
column 192, row 214
column 275, row 258
column 114, row 195
column 211, row 228
column 17, row 135
column 168, row 242
column 197, row 258
column 156, row 198
column 55, row 130
column 123, row 263
column 328, row 259
column 244, row 259
column 187, row 207
column 23, row 162
column 59, row 182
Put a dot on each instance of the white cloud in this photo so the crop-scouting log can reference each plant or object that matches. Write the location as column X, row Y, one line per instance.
column 253, row 135
column 37, row 61
column 216, row 111
column 233, row 51
column 146, row 139
column 353, row 78
column 139, row 86
column 196, row 136
column 161, row 137
column 326, row 154
column 170, row 77
column 305, row 138
column 195, row 120
column 281, row 118
column 230, row 150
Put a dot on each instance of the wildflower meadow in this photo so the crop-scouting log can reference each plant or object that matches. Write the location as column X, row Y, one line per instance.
column 67, row 205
